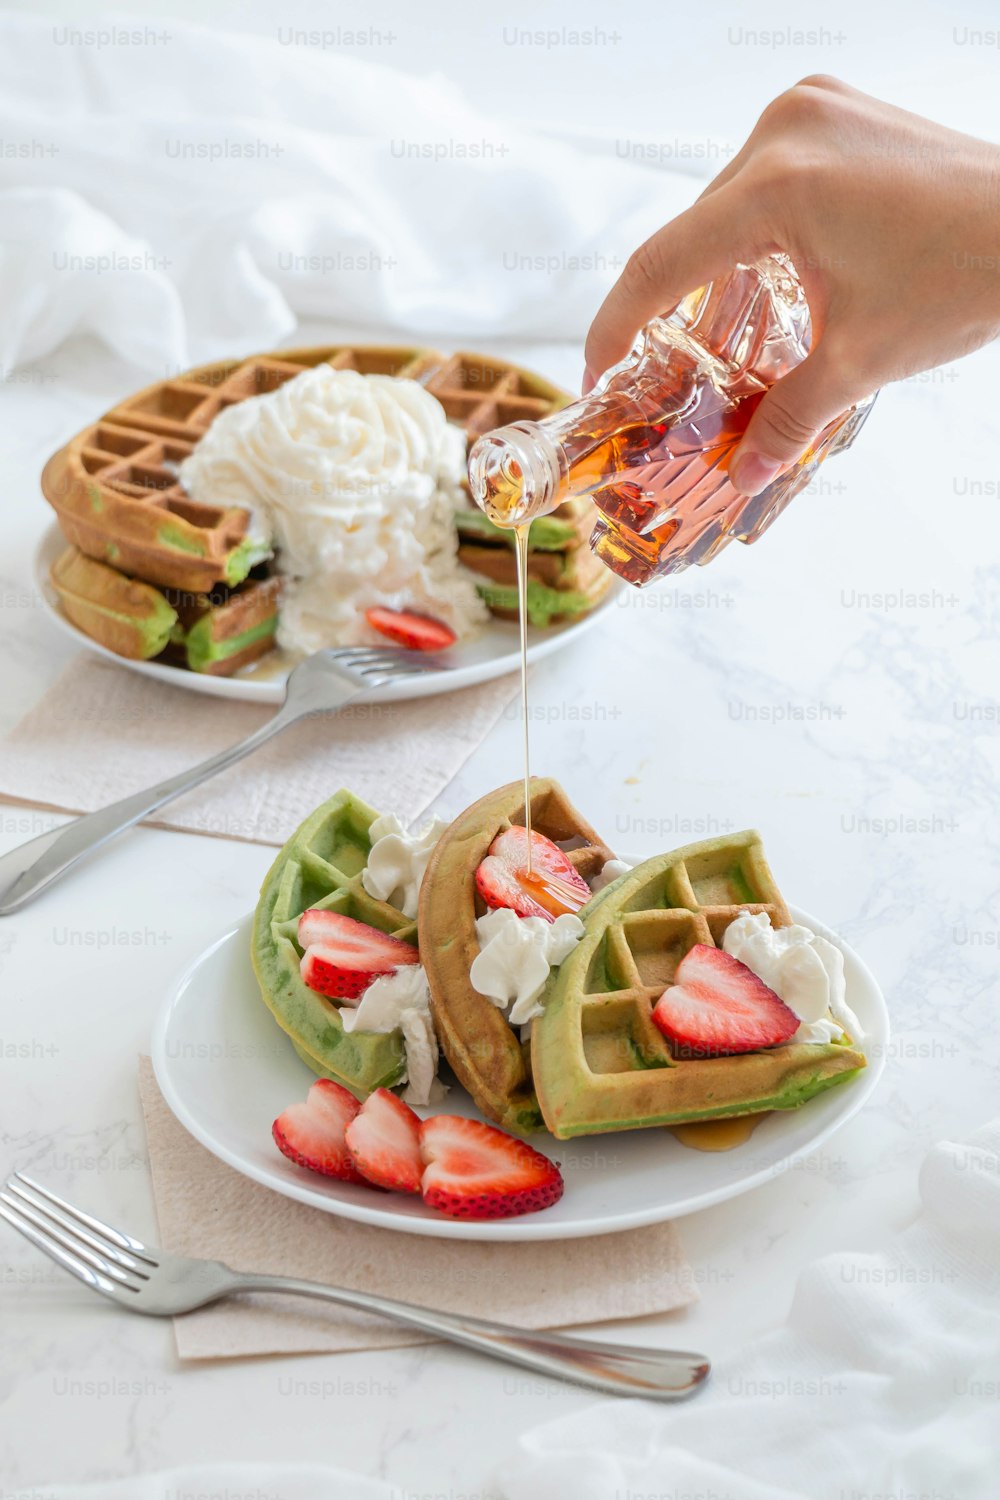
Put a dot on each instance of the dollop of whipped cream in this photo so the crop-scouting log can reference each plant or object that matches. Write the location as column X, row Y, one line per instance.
column 516, row 955
column 355, row 479
column 803, row 970
column 610, row 871
column 402, row 1000
column 398, row 860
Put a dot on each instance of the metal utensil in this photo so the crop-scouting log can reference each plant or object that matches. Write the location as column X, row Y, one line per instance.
column 321, row 684
column 146, row 1280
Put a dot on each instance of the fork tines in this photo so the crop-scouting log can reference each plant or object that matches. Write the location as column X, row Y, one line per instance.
column 397, row 661
column 103, row 1257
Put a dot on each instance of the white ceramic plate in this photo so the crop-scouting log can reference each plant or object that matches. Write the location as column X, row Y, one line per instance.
column 227, row 1070
column 495, row 650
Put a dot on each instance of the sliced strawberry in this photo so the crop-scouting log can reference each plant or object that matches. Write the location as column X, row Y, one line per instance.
column 319, row 926
column 312, row 1131
column 718, row 1006
column 552, row 888
column 384, row 1142
column 343, row 956
column 474, row 1171
column 418, row 632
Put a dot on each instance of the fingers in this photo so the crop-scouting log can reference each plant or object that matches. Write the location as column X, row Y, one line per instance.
column 701, row 243
column 790, row 416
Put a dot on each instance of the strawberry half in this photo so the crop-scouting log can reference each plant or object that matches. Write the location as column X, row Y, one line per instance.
column 553, row 887
column 343, row 956
column 384, row 1142
column 717, row 1006
column 474, row 1171
column 312, row 1132
column 418, row 632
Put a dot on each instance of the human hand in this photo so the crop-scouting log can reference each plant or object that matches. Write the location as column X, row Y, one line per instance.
column 893, row 225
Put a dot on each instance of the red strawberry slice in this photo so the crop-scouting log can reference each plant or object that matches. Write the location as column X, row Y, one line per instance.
column 384, row 1142
column 319, row 926
column 553, row 887
column 311, row 1132
column 418, row 632
column 343, row 956
column 474, row 1171
column 718, row 1006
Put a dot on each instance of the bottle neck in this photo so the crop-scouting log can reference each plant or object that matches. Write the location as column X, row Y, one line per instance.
column 520, row 472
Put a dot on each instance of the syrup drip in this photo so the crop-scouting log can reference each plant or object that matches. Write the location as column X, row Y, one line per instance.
column 555, row 894
column 521, row 550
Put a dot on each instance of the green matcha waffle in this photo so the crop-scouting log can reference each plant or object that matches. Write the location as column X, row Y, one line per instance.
column 483, row 1049
column 215, row 633
column 597, row 1060
column 227, row 630
column 565, row 580
column 321, row 866
column 126, row 616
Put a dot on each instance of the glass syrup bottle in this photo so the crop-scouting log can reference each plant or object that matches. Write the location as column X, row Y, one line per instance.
column 652, row 442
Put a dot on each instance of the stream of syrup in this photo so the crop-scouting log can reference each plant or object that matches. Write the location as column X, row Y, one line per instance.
column 554, row 894
column 521, row 549
column 707, row 1135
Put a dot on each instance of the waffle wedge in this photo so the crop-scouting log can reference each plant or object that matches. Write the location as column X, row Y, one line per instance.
column 597, row 1060
column 565, row 579
column 229, row 629
column 126, row 616
column 483, row 1050
column 321, row 866
column 213, row 633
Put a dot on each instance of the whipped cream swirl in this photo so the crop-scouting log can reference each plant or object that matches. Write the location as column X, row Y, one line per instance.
column 803, row 970
column 516, row 955
column 398, row 860
column 355, row 479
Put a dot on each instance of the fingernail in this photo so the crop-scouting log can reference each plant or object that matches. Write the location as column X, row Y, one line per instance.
column 752, row 472
column 589, row 381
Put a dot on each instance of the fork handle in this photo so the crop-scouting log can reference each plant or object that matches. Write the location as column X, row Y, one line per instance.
column 617, row 1369
column 28, row 870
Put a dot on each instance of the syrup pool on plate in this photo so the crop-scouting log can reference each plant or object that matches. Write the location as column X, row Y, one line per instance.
column 717, row 1135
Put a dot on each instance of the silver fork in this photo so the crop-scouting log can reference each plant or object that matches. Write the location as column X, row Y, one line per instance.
column 321, row 684
column 146, row 1280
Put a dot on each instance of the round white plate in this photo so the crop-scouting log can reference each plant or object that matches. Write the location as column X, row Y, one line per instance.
column 227, row 1070
column 495, row 650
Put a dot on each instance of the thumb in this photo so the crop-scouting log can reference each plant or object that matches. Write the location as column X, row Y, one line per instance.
column 791, row 415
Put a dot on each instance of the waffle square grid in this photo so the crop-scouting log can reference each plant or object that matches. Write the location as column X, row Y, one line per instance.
column 115, row 486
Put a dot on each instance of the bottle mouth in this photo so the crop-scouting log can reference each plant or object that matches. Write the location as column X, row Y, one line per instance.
column 513, row 474
column 496, row 479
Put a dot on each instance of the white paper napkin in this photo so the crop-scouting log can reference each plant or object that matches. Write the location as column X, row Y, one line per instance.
column 199, row 202
column 884, row 1382
column 101, row 732
column 207, row 1210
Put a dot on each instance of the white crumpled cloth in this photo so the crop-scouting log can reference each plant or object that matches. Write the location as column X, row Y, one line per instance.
column 192, row 193
column 883, row 1385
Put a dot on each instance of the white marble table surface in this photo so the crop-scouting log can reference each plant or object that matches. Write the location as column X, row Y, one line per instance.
column 836, row 686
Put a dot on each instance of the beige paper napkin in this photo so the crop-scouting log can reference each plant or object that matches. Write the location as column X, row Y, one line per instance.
column 206, row 1209
column 102, row 732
